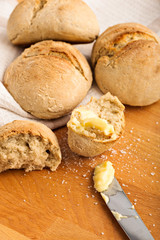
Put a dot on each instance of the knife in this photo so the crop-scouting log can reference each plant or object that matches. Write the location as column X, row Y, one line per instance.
column 124, row 212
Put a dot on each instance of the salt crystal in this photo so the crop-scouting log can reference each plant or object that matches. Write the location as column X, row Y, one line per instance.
column 122, row 151
column 152, row 173
column 87, row 195
column 102, row 233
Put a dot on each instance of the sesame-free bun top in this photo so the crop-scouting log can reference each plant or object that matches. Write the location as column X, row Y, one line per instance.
column 126, row 58
column 49, row 79
column 66, row 20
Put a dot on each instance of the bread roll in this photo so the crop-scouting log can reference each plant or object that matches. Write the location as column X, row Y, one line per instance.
column 29, row 145
column 49, row 79
column 36, row 20
column 126, row 58
column 95, row 127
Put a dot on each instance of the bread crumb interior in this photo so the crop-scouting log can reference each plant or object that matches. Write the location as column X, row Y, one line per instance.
column 26, row 151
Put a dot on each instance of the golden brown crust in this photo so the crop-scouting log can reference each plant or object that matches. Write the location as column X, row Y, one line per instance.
column 49, row 79
column 67, row 20
column 126, row 32
column 126, row 58
column 27, row 127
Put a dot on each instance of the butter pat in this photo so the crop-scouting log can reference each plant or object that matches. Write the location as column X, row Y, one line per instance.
column 103, row 176
column 88, row 120
column 84, row 114
column 99, row 124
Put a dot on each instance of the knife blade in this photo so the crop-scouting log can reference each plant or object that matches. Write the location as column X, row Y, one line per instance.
column 124, row 212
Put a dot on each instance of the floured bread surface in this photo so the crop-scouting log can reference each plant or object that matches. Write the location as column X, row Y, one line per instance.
column 28, row 145
column 126, row 58
column 94, row 128
column 66, row 20
column 49, row 79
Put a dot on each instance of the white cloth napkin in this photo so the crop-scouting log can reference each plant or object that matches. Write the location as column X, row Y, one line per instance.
column 108, row 13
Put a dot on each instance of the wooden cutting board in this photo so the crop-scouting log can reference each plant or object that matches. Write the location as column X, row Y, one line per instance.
column 44, row 205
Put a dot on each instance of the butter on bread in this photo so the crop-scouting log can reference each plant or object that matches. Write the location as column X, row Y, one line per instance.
column 49, row 79
column 93, row 128
column 66, row 20
column 28, row 145
column 126, row 61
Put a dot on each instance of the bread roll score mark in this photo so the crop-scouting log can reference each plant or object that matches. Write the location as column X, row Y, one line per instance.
column 109, row 49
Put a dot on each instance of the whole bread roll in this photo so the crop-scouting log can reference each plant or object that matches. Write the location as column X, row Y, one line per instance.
column 28, row 145
column 126, row 58
column 94, row 128
column 36, row 20
column 49, row 79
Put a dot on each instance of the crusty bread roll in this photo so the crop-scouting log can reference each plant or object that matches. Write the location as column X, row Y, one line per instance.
column 126, row 58
column 29, row 145
column 95, row 127
column 49, row 79
column 67, row 20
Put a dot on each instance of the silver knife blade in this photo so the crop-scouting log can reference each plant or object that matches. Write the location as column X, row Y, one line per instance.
column 125, row 214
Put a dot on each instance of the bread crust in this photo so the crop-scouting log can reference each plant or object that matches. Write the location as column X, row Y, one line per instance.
column 49, row 79
column 126, row 58
column 32, row 129
column 67, row 20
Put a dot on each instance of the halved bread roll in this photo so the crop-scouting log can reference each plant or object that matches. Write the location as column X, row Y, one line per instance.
column 126, row 61
column 29, row 145
column 95, row 127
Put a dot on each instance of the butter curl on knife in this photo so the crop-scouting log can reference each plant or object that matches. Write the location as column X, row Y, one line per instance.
column 118, row 203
